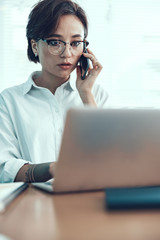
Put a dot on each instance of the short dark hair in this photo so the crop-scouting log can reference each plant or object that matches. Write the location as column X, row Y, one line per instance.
column 45, row 17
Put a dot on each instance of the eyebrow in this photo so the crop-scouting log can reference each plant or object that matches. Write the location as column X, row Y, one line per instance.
column 58, row 35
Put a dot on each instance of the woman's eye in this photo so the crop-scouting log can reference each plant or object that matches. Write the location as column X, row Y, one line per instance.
column 76, row 43
column 54, row 43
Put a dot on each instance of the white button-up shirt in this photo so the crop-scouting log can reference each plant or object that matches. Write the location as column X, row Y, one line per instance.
column 32, row 121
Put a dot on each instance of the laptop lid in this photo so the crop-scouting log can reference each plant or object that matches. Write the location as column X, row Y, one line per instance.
column 109, row 148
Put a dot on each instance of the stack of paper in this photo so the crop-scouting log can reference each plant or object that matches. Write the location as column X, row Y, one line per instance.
column 8, row 191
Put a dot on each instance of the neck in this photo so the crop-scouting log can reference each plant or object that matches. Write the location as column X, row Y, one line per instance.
column 46, row 80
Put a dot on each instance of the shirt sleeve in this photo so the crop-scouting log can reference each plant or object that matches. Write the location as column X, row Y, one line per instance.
column 101, row 96
column 10, row 156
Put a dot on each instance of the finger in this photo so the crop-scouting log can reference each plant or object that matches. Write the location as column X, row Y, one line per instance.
column 90, row 56
column 96, row 64
column 90, row 66
column 93, row 59
column 89, row 51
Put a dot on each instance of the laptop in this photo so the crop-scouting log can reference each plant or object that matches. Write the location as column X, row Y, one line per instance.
column 103, row 148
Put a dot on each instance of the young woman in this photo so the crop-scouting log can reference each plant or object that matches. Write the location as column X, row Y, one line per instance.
column 32, row 114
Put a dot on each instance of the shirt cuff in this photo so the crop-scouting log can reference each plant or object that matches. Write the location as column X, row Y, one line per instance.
column 12, row 168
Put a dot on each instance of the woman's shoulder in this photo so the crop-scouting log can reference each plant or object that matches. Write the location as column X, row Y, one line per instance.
column 12, row 91
column 99, row 90
column 16, row 90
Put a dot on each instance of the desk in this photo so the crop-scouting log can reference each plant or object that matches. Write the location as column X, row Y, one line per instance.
column 82, row 216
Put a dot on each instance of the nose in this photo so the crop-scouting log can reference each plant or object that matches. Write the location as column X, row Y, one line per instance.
column 67, row 51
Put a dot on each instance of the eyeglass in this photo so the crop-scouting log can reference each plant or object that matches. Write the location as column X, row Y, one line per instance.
column 57, row 47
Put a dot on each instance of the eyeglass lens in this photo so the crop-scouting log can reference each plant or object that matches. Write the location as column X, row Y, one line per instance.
column 58, row 47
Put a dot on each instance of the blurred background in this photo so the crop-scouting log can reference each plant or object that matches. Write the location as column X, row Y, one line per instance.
column 123, row 34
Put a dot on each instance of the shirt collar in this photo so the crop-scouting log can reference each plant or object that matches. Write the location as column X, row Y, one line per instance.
column 72, row 80
column 71, row 83
column 28, row 85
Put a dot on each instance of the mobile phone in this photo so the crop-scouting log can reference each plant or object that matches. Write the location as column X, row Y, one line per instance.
column 84, row 65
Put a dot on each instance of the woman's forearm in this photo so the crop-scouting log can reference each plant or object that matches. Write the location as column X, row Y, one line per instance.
column 35, row 172
column 88, row 98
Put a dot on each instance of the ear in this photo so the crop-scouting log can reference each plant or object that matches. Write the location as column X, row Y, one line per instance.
column 34, row 47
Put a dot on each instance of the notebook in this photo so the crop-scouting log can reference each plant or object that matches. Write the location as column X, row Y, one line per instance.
column 108, row 148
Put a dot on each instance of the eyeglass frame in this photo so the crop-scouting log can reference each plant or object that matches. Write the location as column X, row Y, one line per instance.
column 86, row 43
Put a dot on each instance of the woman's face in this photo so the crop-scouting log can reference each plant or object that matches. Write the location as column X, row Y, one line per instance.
column 69, row 29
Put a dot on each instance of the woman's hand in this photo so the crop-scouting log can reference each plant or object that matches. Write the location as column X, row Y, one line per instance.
column 85, row 86
column 52, row 169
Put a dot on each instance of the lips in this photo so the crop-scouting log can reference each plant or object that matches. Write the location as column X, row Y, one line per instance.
column 65, row 65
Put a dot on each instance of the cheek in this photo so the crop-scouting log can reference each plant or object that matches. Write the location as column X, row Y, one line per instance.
column 77, row 59
column 42, row 55
column 46, row 59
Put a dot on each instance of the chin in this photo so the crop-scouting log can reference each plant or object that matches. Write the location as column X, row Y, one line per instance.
column 65, row 74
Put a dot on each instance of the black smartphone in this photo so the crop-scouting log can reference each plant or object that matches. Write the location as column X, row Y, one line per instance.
column 84, row 65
